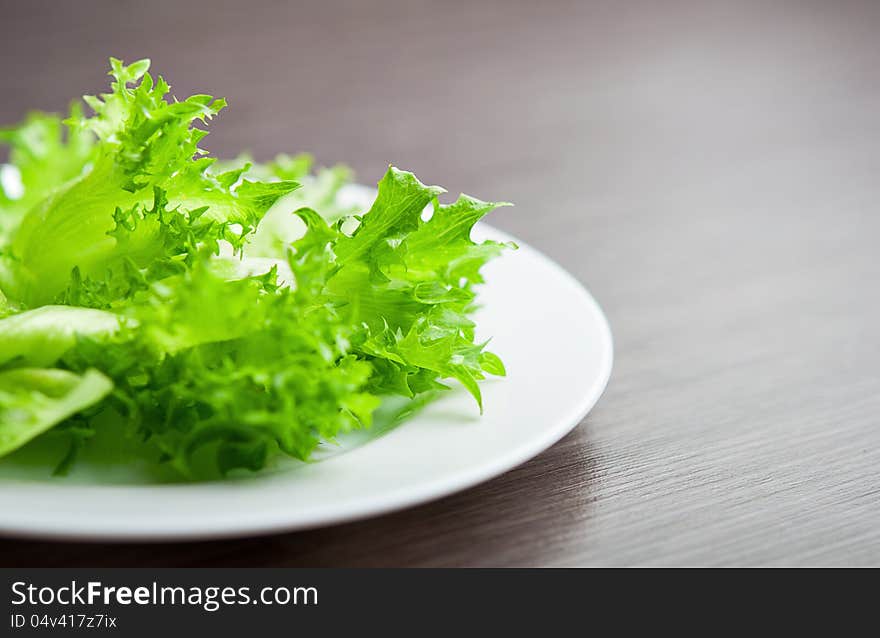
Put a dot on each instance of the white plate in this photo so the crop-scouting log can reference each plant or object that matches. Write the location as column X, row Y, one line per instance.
column 555, row 343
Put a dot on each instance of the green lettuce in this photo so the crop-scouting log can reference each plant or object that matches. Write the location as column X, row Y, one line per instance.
column 223, row 312
column 32, row 400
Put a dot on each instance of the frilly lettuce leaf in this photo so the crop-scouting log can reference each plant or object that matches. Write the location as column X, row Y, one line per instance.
column 408, row 282
column 320, row 191
column 144, row 143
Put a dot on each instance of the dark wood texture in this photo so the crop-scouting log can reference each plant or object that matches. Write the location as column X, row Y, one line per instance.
column 709, row 170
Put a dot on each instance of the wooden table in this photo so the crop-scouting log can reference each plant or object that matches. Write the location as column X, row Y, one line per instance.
column 711, row 171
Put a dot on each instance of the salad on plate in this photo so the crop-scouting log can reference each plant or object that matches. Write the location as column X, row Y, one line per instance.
column 217, row 315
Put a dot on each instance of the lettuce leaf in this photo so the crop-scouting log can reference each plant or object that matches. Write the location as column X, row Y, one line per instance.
column 40, row 337
column 32, row 400
column 145, row 145
column 45, row 154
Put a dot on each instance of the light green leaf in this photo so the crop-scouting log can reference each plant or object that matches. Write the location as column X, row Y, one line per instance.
column 40, row 337
column 32, row 400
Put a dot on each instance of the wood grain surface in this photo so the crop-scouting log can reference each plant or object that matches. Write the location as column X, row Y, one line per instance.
column 711, row 171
